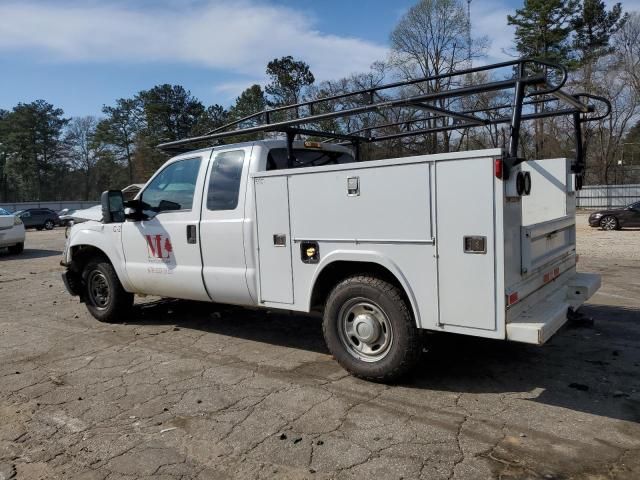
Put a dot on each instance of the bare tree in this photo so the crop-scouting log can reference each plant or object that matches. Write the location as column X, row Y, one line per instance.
column 627, row 46
column 606, row 136
column 83, row 149
column 433, row 38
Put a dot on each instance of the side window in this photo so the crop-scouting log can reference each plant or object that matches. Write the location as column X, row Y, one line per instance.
column 224, row 183
column 173, row 188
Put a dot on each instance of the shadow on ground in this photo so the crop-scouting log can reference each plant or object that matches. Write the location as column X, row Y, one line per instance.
column 587, row 368
column 28, row 253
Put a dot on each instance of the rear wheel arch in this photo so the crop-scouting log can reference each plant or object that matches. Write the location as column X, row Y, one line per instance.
column 336, row 271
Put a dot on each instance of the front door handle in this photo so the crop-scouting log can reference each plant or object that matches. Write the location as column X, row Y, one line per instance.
column 191, row 234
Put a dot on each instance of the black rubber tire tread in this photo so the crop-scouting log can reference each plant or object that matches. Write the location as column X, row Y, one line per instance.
column 407, row 347
column 617, row 227
column 121, row 300
column 16, row 249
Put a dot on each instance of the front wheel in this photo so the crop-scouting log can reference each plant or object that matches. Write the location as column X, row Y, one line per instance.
column 104, row 295
column 609, row 223
column 369, row 329
column 49, row 224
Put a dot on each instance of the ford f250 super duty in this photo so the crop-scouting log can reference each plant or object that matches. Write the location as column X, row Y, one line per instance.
column 477, row 242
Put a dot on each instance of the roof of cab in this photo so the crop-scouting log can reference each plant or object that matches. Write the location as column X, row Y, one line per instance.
column 272, row 143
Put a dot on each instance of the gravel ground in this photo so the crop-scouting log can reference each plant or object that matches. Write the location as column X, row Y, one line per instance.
column 185, row 390
column 597, row 244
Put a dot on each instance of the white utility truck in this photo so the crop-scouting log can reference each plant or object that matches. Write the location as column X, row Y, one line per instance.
column 478, row 242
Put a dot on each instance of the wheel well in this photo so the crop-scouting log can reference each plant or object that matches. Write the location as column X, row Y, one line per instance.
column 82, row 254
column 333, row 273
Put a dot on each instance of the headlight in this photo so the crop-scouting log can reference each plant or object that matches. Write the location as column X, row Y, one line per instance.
column 17, row 221
column 596, row 215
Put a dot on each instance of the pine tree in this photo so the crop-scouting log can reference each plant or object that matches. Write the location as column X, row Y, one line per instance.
column 594, row 26
column 543, row 29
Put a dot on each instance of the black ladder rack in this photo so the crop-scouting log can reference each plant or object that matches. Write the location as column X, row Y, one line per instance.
column 531, row 81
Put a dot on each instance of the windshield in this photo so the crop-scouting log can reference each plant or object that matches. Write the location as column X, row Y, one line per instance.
column 5, row 212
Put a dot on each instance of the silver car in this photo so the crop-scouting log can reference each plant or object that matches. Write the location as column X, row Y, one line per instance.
column 11, row 232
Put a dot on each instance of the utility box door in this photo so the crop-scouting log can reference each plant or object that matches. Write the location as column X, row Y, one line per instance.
column 274, row 239
column 466, row 270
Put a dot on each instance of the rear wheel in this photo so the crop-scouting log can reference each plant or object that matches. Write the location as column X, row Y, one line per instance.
column 49, row 224
column 609, row 223
column 106, row 300
column 17, row 248
column 369, row 329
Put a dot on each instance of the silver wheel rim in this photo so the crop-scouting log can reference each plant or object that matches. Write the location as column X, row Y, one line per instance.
column 609, row 223
column 99, row 290
column 48, row 225
column 365, row 330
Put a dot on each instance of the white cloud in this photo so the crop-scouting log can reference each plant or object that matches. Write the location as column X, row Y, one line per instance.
column 237, row 36
column 489, row 18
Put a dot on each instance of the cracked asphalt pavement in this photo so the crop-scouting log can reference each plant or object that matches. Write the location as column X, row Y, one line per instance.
column 185, row 390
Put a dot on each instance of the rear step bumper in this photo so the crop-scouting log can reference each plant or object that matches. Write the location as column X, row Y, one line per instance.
column 538, row 323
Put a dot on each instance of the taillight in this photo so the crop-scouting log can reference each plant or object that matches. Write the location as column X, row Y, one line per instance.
column 497, row 166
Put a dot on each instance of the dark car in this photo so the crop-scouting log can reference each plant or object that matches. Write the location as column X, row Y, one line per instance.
column 39, row 218
column 615, row 219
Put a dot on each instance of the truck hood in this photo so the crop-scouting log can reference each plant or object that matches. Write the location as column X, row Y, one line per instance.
column 91, row 213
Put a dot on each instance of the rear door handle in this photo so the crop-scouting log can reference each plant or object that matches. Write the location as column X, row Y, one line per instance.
column 191, row 234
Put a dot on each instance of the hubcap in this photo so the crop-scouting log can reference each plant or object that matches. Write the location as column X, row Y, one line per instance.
column 365, row 330
column 609, row 223
column 99, row 289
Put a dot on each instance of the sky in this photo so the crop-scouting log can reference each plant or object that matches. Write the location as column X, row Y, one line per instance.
column 81, row 55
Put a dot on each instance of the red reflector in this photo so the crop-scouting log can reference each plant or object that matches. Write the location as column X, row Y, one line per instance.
column 498, row 167
column 556, row 271
column 547, row 277
column 513, row 298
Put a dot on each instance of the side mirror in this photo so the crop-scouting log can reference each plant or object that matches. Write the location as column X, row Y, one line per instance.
column 112, row 206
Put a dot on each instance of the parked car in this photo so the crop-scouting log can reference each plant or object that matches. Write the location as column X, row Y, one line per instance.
column 617, row 218
column 66, row 217
column 39, row 218
column 11, row 232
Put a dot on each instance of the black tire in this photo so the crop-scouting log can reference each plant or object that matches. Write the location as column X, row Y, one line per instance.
column 49, row 224
column 17, row 248
column 609, row 222
column 366, row 301
column 103, row 294
column 39, row 228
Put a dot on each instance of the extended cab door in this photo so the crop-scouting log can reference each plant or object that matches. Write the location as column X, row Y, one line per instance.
column 223, row 225
column 162, row 252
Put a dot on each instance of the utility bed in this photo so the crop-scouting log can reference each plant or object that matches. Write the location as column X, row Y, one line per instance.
column 517, row 281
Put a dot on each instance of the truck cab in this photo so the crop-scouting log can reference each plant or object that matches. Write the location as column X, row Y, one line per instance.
column 192, row 236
